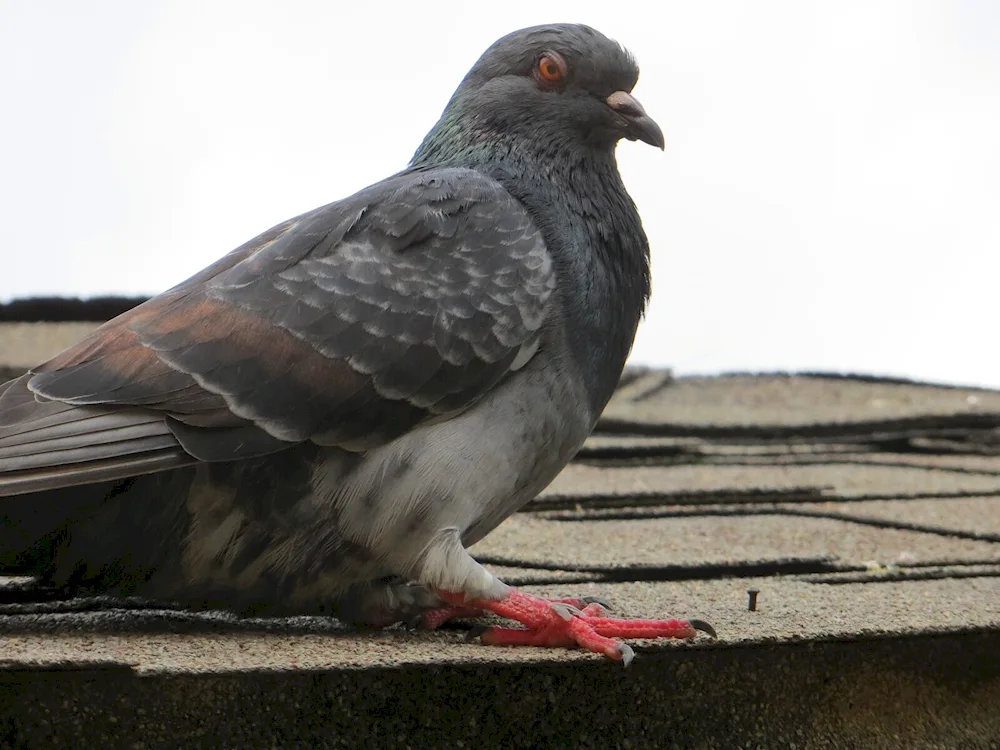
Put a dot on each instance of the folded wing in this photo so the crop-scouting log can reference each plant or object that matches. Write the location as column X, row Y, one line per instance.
column 347, row 326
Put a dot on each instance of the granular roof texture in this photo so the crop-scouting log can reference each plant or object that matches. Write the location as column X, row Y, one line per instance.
column 865, row 512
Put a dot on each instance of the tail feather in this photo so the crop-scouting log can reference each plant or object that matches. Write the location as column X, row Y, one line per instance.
column 45, row 444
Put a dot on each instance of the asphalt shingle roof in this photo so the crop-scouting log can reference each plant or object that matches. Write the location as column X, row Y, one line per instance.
column 865, row 511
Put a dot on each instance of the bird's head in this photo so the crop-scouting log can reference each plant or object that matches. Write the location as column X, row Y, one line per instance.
column 559, row 86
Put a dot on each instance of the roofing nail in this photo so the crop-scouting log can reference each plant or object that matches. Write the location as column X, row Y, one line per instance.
column 752, row 603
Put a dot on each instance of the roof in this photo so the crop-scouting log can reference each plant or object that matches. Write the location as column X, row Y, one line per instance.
column 865, row 512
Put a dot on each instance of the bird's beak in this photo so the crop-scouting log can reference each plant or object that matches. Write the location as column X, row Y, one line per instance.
column 640, row 126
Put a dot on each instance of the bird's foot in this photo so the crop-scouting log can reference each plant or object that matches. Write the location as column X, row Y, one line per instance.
column 561, row 623
column 432, row 619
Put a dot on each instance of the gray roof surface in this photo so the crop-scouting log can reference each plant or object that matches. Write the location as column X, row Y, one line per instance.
column 864, row 511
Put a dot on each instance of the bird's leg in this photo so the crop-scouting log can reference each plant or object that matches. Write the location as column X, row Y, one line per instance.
column 558, row 624
column 467, row 588
column 434, row 618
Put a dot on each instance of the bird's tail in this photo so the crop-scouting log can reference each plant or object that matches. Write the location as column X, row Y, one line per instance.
column 45, row 445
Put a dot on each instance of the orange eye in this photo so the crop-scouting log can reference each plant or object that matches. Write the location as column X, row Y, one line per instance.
column 551, row 68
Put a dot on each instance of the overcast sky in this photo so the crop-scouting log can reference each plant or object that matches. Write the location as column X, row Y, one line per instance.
column 829, row 197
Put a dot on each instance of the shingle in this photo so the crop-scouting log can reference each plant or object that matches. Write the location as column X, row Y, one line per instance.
column 730, row 538
column 971, row 515
column 833, row 480
column 24, row 345
column 783, row 400
column 788, row 610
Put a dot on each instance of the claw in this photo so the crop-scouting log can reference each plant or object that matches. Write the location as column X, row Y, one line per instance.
column 598, row 600
column 627, row 654
column 704, row 627
column 594, row 610
column 565, row 611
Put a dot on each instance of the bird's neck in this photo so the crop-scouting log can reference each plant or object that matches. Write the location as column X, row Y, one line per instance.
column 593, row 231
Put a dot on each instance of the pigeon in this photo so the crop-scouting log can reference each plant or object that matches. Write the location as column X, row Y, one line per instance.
column 325, row 419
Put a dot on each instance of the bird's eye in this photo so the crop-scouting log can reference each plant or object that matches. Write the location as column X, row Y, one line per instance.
column 550, row 69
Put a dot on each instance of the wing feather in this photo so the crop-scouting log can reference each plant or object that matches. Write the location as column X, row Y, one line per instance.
column 348, row 326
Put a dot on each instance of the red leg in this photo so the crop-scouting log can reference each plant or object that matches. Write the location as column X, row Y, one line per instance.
column 432, row 619
column 561, row 623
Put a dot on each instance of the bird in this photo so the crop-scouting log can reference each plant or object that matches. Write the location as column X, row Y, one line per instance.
column 326, row 418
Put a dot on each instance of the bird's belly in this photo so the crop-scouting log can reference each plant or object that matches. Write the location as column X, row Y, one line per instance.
column 468, row 473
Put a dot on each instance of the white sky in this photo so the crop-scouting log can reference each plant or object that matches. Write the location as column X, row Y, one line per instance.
column 829, row 198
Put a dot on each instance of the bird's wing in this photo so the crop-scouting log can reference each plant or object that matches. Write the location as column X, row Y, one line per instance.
column 347, row 326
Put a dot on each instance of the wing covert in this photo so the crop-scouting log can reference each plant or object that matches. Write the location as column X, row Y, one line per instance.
column 347, row 325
